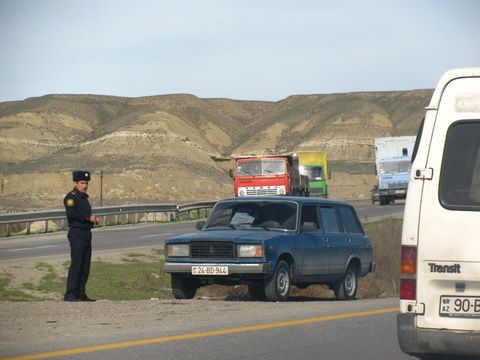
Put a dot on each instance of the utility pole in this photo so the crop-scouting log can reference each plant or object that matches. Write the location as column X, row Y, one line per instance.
column 101, row 188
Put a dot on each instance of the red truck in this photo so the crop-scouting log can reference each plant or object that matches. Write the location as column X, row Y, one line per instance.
column 267, row 175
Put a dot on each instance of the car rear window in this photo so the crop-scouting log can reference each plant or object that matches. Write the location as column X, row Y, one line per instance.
column 460, row 175
column 350, row 221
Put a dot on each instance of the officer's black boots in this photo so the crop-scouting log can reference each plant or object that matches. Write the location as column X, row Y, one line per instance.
column 86, row 298
column 70, row 298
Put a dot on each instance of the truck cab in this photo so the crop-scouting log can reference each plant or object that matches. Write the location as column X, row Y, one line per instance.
column 392, row 167
column 393, row 176
column 267, row 175
column 313, row 164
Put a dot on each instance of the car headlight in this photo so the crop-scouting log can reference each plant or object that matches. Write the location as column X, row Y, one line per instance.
column 178, row 250
column 242, row 192
column 245, row 250
column 281, row 190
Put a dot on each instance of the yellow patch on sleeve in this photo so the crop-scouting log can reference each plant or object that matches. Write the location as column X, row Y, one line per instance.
column 70, row 202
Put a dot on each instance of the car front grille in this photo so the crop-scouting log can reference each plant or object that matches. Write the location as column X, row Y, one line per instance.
column 212, row 249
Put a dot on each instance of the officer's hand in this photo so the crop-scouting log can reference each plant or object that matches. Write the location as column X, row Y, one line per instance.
column 94, row 219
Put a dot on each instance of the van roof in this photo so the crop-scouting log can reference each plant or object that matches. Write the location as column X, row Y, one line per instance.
column 446, row 78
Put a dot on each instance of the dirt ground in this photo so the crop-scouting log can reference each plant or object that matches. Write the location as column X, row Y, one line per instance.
column 46, row 320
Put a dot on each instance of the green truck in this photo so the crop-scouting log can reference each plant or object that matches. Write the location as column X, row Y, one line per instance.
column 314, row 165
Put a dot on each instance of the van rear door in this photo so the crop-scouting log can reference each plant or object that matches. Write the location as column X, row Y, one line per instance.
column 448, row 278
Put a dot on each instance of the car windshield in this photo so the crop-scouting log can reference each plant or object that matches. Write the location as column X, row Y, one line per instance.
column 254, row 215
column 261, row 167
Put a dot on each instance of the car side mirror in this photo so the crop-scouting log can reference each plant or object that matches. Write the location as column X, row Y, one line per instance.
column 199, row 224
column 230, row 173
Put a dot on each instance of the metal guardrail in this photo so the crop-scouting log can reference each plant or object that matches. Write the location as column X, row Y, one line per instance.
column 171, row 210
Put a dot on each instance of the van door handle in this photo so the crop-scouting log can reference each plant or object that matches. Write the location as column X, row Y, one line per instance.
column 423, row 174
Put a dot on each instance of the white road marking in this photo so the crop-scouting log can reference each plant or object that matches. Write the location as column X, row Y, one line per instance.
column 156, row 235
column 36, row 247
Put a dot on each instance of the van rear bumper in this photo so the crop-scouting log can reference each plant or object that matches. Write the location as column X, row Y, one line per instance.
column 415, row 341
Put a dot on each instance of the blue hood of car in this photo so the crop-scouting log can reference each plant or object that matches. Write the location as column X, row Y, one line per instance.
column 239, row 236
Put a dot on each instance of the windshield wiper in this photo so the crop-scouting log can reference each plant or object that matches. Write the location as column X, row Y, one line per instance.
column 221, row 225
column 234, row 226
column 265, row 227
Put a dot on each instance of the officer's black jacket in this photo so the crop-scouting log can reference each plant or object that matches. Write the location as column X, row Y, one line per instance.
column 78, row 210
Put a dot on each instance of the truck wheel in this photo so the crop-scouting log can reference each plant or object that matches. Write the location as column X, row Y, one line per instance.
column 256, row 292
column 278, row 287
column 346, row 289
column 183, row 288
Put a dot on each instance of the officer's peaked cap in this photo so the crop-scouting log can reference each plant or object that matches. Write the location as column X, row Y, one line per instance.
column 81, row 175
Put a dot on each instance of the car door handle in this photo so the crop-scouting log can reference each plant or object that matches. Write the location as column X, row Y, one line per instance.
column 349, row 240
column 325, row 239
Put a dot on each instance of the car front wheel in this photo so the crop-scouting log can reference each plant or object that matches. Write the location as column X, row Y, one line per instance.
column 183, row 288
column 346, row 289
column 278, row 287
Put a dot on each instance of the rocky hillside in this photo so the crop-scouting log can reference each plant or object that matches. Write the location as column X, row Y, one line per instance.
column 167, row 148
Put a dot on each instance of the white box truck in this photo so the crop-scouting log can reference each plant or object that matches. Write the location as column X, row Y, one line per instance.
column 392, row 166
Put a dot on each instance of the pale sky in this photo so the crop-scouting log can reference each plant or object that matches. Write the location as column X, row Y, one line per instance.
column 255, row 50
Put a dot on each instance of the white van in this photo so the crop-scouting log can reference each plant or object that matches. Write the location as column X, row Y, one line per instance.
column 440, row 268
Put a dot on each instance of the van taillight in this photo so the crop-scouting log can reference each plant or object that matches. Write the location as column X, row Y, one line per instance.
column 408, row 273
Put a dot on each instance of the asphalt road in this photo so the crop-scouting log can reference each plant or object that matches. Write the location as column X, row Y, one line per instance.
column 319, row 329
column 131, row 236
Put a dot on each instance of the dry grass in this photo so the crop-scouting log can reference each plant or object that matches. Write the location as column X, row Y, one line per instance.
column 386, row 236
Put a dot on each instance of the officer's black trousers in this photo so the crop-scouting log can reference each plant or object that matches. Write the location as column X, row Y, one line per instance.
column 81, row 254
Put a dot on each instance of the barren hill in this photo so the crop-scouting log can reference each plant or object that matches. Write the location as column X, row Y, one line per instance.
column 162, row 148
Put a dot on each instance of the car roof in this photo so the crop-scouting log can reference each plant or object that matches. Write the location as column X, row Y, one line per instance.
column 297, row 199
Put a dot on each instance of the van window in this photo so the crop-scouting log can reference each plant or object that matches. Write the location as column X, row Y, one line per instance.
column 329, row 219
column 460, row 174
column 417, row 140
column 350, row 221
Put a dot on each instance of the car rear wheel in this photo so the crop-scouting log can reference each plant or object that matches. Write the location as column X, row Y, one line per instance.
column 183, row 288
column 256, row 291
column 346, row 289
column 278, row 287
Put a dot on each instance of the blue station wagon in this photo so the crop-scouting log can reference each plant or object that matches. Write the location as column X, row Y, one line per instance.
column 270, row 244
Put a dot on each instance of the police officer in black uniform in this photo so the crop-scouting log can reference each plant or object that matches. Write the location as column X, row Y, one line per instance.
column 80, row 223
